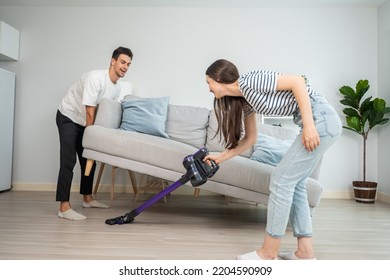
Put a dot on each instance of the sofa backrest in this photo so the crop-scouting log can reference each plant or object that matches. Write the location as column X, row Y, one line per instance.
column 187, row 124
column 109, row 114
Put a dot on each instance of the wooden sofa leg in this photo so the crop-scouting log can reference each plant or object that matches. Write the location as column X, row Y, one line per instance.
column 99, row 177
column 88, row 167
column 196, row 192
column 133, row 181
column 113, row 172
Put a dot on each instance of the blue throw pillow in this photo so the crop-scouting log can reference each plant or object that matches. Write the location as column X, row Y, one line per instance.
column 145, row 115
column 270, row 150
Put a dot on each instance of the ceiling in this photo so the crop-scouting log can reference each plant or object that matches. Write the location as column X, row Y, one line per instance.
column 189, row 3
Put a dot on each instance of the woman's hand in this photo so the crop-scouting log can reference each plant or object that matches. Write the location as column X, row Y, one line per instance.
column 217, row 158
column 310, row 137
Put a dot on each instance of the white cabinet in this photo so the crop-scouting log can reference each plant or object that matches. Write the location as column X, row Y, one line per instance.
column 280, row 121
column 7, row 104
column 9, row 42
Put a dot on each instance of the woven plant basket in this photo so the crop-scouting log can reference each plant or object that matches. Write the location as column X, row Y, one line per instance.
column 365, row 192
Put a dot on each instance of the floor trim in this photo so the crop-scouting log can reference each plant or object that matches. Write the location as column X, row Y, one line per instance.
column 183, row 191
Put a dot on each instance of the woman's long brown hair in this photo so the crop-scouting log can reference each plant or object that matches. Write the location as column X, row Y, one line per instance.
column 228, row 109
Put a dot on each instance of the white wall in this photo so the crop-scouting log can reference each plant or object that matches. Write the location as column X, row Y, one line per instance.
column 173, row 46
column 384, row 92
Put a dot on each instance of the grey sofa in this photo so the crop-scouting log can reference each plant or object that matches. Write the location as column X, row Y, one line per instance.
column 188, row 128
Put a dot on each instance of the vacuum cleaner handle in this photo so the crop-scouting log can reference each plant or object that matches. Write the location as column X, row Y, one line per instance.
column 198, row 171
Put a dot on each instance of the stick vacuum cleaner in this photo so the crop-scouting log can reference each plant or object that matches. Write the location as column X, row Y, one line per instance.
column 198, row 172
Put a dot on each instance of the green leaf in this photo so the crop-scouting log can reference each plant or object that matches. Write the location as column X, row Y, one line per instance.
column 351, row 98
column 377, row 113
column 374, row 118
column 379, row 122
column 379, row 104
column 354, row 123
column 350, row 103
column 366, row 105
column 351, row 129
column 350, row 112
column 362, row 86
column 347, row 91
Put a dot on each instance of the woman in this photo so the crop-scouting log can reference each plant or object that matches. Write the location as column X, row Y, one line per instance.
column 237, row 98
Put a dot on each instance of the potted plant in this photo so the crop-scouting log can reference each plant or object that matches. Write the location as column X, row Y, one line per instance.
column 361, row 117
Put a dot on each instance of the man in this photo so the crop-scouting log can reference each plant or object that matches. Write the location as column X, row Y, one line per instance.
column 76, row 111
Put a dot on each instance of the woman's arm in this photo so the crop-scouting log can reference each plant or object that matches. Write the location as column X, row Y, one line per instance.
column 244, row 144
column 310, row 137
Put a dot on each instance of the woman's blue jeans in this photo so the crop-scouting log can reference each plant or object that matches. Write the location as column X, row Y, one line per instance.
column 288, row 197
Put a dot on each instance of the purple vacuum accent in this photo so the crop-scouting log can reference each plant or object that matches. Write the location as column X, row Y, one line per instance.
column 198, row 171
column 158, row 196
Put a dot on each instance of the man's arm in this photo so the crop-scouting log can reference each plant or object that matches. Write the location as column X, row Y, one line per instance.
column 91, row 113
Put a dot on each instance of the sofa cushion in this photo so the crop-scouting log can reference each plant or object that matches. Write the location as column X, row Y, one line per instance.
column 148, row 149
column 145, row 115
column 269, row 149
column 245, row 174
column 187, row 124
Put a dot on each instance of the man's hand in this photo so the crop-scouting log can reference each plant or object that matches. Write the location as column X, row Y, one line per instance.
column 91, row 112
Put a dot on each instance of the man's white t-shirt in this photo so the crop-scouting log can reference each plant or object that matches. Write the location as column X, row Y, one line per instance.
column 88, row 91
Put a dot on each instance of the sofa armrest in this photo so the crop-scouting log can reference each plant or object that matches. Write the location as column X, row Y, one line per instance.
column 316, row 172
column 109, row 113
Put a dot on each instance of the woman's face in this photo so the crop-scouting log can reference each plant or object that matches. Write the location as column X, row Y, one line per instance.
column 218, row 89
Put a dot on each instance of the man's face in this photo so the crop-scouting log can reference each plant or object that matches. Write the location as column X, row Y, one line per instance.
column 121, row 65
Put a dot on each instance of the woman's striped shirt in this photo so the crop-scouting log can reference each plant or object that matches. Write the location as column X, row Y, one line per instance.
column 259, row 90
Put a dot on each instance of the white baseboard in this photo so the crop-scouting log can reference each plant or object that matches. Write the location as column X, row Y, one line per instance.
column 104, row 188
column 383, row 197
column 185, row 190
column 338, row 195
column 36, row 187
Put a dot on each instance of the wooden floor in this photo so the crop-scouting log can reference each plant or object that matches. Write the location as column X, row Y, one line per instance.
column 183, row 228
